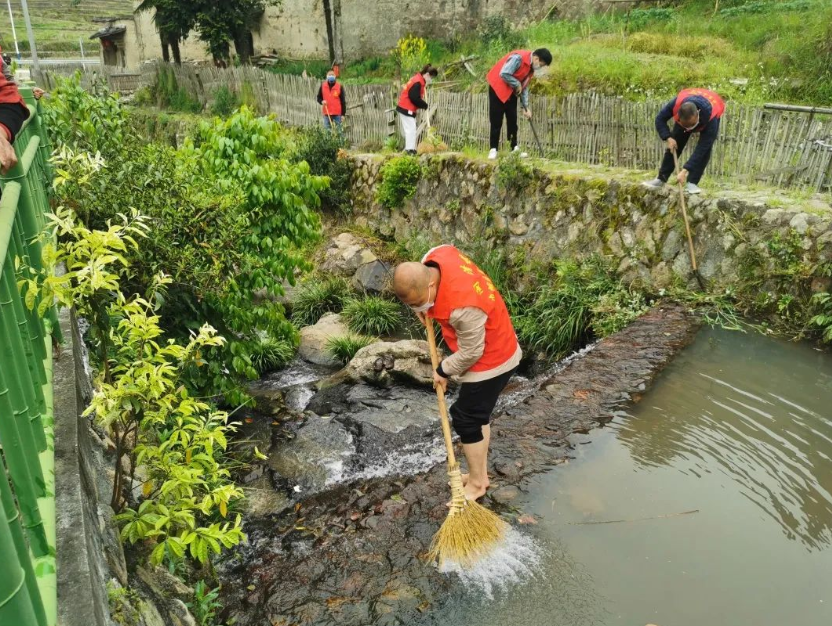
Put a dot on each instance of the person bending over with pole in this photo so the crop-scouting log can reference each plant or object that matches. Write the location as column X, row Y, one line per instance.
column 332, row 100
column 508, row 80
column 448, row 287
column 693, row 111
column 411, row 100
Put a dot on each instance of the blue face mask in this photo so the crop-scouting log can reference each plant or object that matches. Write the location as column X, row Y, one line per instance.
column 330, row 80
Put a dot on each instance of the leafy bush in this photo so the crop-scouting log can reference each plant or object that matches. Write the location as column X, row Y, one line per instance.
column 86, row 121
column 230, row 212
column 497, row 32
column 823, row 318
column 316, row 297
column 345, row 348
column 321, row 149
column 225, row 101
column 372, row 315
column 399, row 177
column 513, row 173
column 268, row 354
column 205, row 604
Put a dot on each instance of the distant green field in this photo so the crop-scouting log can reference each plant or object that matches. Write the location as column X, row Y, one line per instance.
column 59, row 24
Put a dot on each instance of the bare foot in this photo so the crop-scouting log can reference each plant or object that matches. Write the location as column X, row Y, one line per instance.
column 475, row 492
column 465, row 481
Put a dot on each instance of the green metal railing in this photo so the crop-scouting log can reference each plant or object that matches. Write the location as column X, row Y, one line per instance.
column 27, row 480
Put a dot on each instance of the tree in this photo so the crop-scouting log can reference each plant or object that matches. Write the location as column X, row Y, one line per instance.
column 219, row 24
column 173, row 19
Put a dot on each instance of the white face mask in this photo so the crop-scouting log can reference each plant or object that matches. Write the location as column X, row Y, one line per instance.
column 428, row 79
column 540, row 70
column 427, row 306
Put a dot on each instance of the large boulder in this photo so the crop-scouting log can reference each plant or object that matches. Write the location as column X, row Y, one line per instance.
column 314, row 339
column 346, row 254
column 373, row 277
column 385, row 363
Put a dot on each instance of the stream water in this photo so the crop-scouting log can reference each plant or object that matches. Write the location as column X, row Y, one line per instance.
column 709, row 504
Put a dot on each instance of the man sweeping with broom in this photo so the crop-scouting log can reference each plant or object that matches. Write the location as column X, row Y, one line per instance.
column 448, row 287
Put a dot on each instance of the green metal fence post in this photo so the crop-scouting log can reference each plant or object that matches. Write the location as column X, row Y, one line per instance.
column 15, row 604
column 8, row 510
column 34, row 324
column 23, row 395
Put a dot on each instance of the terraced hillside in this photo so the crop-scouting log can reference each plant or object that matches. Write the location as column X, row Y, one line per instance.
column 58, row 24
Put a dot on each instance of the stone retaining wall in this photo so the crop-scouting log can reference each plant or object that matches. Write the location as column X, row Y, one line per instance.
column 771, row 244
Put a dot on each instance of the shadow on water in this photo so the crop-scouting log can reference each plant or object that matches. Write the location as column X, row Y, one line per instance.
column 758, row 429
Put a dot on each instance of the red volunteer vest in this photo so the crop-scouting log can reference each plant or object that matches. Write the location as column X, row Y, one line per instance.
column 717, row 103
column 463, row 284
column 404, row 98
column 332, row 99
column 523, row 74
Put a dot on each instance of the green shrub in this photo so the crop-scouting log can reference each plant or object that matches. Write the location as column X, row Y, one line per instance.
column 225, row 101
column 320, row 148
column 393, row 143
column 584, row 301
column 205, row 604
column 399, row 177
column 372, row 315
column 86, row 121
column 316, row 297
column 822, row 320
column 513, row 173
column 268, row 354
column 344, row 348
column 497, row 32
column 168, row 94
column 231, row 216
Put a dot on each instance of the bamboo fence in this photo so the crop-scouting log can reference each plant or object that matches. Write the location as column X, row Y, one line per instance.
column 777, row 147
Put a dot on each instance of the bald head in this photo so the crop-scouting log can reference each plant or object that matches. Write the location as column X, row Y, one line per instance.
column 410, row 281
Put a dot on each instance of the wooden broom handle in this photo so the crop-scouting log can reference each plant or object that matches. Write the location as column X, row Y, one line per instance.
column 684, row 211
column 440, row 395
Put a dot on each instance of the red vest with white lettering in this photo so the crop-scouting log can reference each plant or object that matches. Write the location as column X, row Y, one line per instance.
column 463, row 284
column 404, row 98
column 332, row 99
column 717, row 103
column 523, row 74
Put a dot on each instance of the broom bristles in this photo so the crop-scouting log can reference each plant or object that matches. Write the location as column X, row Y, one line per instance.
column 470, row 531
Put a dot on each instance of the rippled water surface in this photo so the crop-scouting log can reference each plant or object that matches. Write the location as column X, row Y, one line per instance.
column 710, row 504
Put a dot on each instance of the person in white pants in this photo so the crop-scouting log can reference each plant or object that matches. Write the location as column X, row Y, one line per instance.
column 411, row 100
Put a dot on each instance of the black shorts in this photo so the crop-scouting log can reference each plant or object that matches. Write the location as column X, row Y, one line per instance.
column 474, row 405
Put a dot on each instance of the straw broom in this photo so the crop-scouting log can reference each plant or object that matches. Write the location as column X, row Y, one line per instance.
column 470, row 531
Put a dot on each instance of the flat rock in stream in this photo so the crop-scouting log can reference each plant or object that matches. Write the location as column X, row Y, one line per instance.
column 309, row 460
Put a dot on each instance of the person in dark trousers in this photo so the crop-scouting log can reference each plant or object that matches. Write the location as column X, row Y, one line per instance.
column 13, row 112
column 447, row 286
column 332, row 100
column 693, row 111
column 411, row 99
column 508, row 80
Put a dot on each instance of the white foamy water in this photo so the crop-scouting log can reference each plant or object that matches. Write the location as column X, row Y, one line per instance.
column 412, row 459
column 515, row 561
